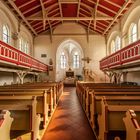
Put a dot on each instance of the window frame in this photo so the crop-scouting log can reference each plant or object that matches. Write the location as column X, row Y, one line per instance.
column 117, row 43
column 133, row 33
column 6, row 35
column 76, row 60
column 63, row 61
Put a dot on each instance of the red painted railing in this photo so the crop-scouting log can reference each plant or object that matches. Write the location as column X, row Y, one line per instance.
column 11, row 55
column 127, row 55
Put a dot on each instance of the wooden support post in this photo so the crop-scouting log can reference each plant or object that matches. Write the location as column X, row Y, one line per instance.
column 21, row 75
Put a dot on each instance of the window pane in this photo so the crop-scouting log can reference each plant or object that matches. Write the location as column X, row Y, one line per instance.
column 76, row 62
column 133, row 34
column 112, row 47
column 117, row 43
column 63, row 61
column 5, row 32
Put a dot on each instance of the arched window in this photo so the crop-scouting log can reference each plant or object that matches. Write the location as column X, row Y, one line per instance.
column 21, row 42
column 23, row 45
column 76, row 60
column 112, row 46
column 26, row 47
column 5, row 34
column 117, row 43
column 63, row 61
column 133, row 33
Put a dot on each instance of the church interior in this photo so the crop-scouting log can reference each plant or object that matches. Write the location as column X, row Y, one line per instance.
column 69, row 69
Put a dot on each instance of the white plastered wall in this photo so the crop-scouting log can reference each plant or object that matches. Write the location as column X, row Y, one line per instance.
column 94, row 49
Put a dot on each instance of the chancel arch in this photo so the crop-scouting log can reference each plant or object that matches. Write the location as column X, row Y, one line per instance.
column 68, row 56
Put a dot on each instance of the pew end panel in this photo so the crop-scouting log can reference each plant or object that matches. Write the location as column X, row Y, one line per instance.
column 5, row 124
column 111, row 118
column 132, row 122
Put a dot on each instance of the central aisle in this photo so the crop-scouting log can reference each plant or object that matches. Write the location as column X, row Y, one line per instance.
column 69, row 121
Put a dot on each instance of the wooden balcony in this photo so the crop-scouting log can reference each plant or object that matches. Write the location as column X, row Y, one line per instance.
column 12, row 57
column 127, row 57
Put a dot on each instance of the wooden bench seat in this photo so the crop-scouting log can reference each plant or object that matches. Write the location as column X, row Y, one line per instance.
column 47, row 95
column 23, row 111
column 87, row 87
column 45, row 104
column 94, row 97
column 110, row 117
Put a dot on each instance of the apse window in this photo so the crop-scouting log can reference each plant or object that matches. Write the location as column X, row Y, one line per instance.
column 63, row 61
column 6, row 34
column 76, row 60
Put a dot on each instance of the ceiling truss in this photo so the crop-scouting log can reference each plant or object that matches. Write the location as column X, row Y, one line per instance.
column 94, row 15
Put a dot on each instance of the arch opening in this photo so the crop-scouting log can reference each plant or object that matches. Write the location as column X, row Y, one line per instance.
column 68, row 57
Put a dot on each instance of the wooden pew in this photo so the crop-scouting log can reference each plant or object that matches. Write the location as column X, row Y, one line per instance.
column 5, row 124
column 94, row 99
column 23, row 111
column 57, row 88
column 131, row 122
column 44, row 98
column 88, row 97
column 110, row 117
column 82, row 92
column 47, row 95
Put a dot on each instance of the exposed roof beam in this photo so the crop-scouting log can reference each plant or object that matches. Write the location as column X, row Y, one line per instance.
column 25, row 4
column 43, row 14
column 102, row 24
column 54, row 10
column 84, row 24
column 103, row 7
column 88, row 12
column 91, row 8
column 108, row 9
column 36, row 28
column 49, row 8
column 119, row 13
column 95, row 14
column 90, row 21
column 60, row 9
column 69, row 18
column 36, row 24
column 29, row 10
column 78, row 9
column 69, row 1
column 100, row 28
column 112, row 3
column 89, row 25
column 21, row 15
column 96, row 30
column 87, row 6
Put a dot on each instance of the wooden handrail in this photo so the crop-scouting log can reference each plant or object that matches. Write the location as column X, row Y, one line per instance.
column 11, row 55
column 125, row 56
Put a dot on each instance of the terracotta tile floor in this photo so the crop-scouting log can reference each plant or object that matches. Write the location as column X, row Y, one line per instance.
column 69, row 121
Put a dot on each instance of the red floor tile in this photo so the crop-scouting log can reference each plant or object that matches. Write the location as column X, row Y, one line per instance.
column 69, row 121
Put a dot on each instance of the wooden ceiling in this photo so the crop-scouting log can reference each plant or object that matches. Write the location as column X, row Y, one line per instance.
column 97, row 16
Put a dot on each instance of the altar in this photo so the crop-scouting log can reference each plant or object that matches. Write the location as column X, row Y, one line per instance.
column 69, row 79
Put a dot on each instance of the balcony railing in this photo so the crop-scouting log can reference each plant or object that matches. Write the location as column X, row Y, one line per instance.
column 129, row 55
column 11, row 55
